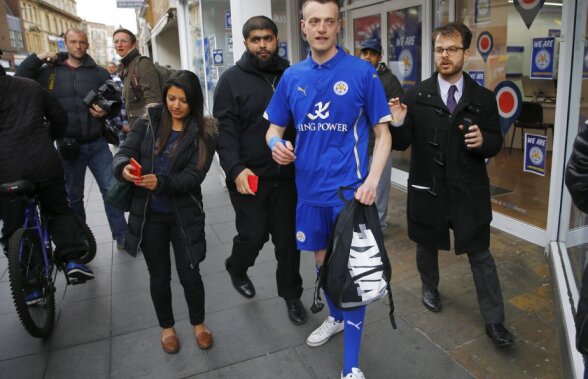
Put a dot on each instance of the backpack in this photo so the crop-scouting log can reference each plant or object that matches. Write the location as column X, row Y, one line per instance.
column 163, row 73
column 356, row 270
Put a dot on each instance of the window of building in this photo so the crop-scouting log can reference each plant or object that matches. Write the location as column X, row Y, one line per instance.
column 16, row 39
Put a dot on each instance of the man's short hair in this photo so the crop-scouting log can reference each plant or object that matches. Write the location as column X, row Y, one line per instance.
column 126, row 31
column 453, row 29
column 74, row 30
column 259, row 23
column 336, row 2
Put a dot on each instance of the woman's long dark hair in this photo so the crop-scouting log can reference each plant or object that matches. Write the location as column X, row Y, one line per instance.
column 189, row 83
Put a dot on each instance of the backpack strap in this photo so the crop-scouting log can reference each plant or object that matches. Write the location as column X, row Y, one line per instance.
column 391, row 313
column 135, row 85
column 342, row 196
column 51, row 82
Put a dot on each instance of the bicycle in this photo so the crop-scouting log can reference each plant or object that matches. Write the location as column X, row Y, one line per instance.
column 32, row 266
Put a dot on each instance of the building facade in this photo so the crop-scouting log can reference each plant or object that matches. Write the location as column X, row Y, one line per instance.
column 11, row 33
column 99, row 37
column 532, row 54
column 45, row 21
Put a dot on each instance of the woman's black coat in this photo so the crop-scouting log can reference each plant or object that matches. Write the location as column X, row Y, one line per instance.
column 181, row 184
column 448, row 184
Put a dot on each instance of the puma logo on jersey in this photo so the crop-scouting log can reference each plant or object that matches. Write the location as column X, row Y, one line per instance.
column 320, row 111
column 303, row 90
column 356, row 326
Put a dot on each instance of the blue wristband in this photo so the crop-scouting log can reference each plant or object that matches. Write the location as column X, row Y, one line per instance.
column 274, row 140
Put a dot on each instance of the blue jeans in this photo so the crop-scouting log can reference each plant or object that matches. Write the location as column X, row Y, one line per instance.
column 97, row 156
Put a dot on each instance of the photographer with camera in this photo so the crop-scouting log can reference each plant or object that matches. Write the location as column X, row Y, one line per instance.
column 69, row 77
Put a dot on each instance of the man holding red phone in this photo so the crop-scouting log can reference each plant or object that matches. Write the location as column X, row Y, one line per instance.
column 263, row 193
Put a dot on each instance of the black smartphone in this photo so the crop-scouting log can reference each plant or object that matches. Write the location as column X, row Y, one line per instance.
column 467, row 122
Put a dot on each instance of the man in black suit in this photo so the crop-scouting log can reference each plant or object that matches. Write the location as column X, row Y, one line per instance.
column 452, row 124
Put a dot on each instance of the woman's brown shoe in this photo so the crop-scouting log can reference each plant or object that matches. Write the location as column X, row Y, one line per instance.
column 170, row 344
column 204, row 339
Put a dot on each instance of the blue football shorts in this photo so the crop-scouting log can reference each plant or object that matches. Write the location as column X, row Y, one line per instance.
column 314, row 226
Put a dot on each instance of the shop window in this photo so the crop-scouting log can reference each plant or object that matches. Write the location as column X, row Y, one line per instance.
column 519, row 46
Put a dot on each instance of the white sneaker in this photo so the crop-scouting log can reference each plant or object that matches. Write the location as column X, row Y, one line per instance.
column 321, row 335
column 354, row 374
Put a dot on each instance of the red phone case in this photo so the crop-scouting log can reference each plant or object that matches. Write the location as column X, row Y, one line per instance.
column 136, row 167
column 253, row 180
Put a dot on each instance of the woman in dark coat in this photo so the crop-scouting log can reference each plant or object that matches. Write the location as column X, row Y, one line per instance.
column 174, row 146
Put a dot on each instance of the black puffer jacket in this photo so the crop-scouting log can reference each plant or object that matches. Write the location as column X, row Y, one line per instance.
column 182, row 184
column 577, row 171
column 70, row 86
column 577, row 183
column 240, row 99
column 26, row 146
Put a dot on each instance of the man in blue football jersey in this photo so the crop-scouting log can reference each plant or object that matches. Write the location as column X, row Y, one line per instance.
column 333, row 99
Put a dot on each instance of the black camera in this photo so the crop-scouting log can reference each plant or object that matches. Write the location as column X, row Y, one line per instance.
column 106, row 97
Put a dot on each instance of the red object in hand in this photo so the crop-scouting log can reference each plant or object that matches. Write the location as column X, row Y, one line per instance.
column 253, row 180
column 136, row 167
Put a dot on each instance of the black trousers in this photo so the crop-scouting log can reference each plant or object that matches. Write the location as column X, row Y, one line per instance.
column 160, row 229
column 271, row 211
column 485, row 275
column 60, row 217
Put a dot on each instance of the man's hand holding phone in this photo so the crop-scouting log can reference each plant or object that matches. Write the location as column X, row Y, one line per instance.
column 246, row 182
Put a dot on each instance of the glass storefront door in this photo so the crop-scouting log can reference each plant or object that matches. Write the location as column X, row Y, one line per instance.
column 519, row 44
column 399, row 29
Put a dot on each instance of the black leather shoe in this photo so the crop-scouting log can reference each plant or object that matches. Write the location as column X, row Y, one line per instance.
column 296, row 311
column 432, row 300
column 242, row 284
column 499, row 335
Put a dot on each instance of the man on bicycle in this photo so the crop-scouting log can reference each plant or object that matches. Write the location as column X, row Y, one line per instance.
column 27, row 153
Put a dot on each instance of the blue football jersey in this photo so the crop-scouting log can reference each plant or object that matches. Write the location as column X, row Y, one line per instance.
column 333, row 105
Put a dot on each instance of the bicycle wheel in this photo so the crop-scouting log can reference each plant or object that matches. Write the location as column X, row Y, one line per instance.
column 33, row 293
column 89, row 240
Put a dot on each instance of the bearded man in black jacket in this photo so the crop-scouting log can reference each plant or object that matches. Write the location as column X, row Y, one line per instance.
column 242, row 95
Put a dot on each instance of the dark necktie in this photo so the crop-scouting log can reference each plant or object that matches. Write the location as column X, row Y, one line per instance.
column 451, row 104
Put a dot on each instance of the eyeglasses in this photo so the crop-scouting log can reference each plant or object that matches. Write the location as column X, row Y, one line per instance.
column 452, row 50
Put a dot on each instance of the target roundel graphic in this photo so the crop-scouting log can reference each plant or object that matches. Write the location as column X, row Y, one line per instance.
column 485, row 43
column 509, row 100
column 529, row 4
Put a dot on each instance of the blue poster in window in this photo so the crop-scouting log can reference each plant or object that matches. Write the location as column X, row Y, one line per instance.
column 535, row 153
column 404, row 45
column 482, row 11
column 542, row 58
column 228, row 21
column 478, row 76
column 217, row 57
column 283, row 49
